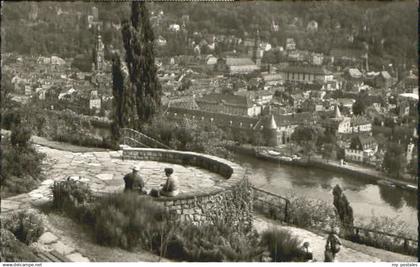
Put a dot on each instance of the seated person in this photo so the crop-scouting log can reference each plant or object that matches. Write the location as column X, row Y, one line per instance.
column 170, row 188
column 306, row 252
column 133, row 181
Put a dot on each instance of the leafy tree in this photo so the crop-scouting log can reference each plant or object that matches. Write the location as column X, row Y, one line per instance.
column 394, row 159
column 306, row 137
column 20, row 135
column 6, row 89
column 328, row 151
column 359, row 107
column 341, row 153
column 189, row 135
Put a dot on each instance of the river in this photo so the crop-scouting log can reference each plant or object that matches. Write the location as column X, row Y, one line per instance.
column 365, row 196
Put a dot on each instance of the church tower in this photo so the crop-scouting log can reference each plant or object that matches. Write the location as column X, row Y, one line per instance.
column 257, row 51
column 99, row 54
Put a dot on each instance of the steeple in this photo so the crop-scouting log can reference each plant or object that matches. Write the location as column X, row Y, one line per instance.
column 99, row 53
column 337, row 113
column 272, row 125
column 256, row 55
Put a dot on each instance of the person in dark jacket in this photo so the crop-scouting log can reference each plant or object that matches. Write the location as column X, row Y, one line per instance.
column 133, row 181
column 333, row 245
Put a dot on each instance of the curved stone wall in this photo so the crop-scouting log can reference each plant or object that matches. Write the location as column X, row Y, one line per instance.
column 230, row 200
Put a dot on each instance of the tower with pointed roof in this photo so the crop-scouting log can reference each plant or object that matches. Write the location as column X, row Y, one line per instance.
column 257, row 51
column 270, row 131
column 99, row 54
column 337, row 112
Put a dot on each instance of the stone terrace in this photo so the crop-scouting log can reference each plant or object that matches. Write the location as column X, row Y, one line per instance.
column 104, row 171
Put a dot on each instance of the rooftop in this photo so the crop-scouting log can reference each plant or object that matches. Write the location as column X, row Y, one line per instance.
column 227, row 99
column 232, row 61
column 307, row 69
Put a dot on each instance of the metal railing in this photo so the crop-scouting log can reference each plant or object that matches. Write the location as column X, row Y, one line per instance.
column 271, row 204
column 137, row 139
column 279, row 207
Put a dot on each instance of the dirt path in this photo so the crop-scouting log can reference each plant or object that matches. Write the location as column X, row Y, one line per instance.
column 350, row 252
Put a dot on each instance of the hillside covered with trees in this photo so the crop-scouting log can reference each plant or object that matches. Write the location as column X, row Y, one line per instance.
column 387, row 29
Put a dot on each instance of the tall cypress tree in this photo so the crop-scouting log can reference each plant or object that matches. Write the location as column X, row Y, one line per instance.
column 152, row 86
column 139, row 55
column 117, row 93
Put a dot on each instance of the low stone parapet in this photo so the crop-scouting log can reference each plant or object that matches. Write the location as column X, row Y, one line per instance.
column 229, row 200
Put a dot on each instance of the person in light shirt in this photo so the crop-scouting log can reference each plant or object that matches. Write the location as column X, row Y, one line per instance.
column 171, row 187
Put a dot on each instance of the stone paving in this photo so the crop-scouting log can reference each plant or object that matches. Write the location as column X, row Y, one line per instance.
column 103, row 171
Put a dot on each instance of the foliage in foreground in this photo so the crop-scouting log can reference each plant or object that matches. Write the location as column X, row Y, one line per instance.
column 21, row 166
column 213, row 243
column 282, row 245
column 12, row 250
column 27, row 226
column 128, row 220
column 390, row 226
column 306, row 212
column 73, row 197
column 309, row 213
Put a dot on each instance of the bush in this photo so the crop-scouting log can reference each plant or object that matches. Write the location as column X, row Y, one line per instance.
column 283, row 247
column 128, row 220
column 13, row 250
column 20, row 135
column 21, row 168
column 387, row 225
column 72, row 197
column 213, row 243
column 9, row 118
column 25, row 225
column 311, row 213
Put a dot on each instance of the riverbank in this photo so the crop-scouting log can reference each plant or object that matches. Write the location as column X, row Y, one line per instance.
column 335, row 166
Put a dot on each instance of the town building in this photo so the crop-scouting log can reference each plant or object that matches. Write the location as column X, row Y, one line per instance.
column 290, row 44
column 272, row 79
column 306, row 74
column 276, row 129
column 233, row 66
column 362, row 149
column 338, row 124
column 383, row 80
column 352, row 57
column 360, row 124
column 229, row 104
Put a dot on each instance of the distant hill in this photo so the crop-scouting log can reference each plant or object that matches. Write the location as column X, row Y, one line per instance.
column 388, row 28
